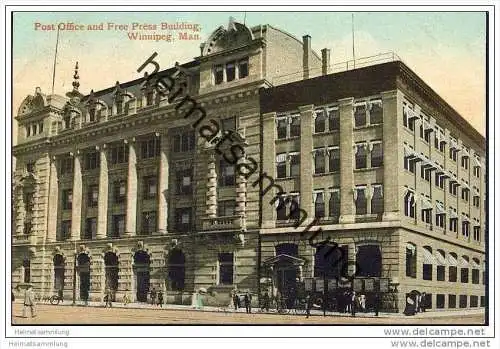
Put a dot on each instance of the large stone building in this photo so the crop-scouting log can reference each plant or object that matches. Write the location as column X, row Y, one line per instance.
column 118, row 186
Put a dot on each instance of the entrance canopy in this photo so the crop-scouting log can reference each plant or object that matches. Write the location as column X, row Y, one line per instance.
column 284, row 259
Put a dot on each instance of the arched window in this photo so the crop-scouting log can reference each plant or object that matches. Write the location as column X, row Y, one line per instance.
column 475, row 270
column 176, row 270
column 111, row 270
column 27, row 270
column 411, row 260
column 330, row 262
column 368, row 260
column 83, row 260
column 288, row 249
column 441, row 260
column 464, row 269
column 452, row 269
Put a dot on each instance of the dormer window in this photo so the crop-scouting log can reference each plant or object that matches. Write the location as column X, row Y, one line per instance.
column 219, row 74
column 243, row 68
column 230, row 71
column 92, row 117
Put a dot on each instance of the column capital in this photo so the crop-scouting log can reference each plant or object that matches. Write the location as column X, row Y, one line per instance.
column 346, row 101
column 129, row 140
column 75, row 153
column 305, row 108
column 101, row 146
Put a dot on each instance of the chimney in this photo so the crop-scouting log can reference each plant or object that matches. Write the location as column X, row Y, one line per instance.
column 306, row 45
column 325, row 61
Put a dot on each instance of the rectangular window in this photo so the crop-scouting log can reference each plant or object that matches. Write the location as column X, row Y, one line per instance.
column 465, row 229
column 119, row 191
column 477, row 233
column 452, row 274
column 377, row 157
column 376, row 112
column 118, row 226
column 229, row 124
column 361, row 201
column 319, row 204
column 187, row 141
column 230, row 71
column 184, row 181
column 453, row 154
column 218, row 74
column 319, row 121
column 465, row 194
column 425, row 174
column 66, row 166
column 226, row 174
column 183, row 219
column 408, row 164
column 409, row 201
column 119, row 154
column 453, row 188
column 473, row 301
column 150, row 189
column 90, row 228
column 282, row 125
column 334, row 159
column 465, row 162
column 91, row 160
column 377, row 204
column 150, row 148
column 243, row 68
column 148, row 222
column 333, row 119
column 411, row 261
column 475, row 276
column 67, row 198
column 361, row 155
column 427, row 271
column 439, row 181
column 452, row 301
column 440, row 219
column 226, row 265
column 334, row 203
column 440, row 270
column 440, row 301
column 319, row 161
column 464, row 275
column 294, row 164
column 427, row 216
column 65, row 230
column 360, row 115
column 281, row 165
column 226, row 208
column 477, row 171
column 475, row 201
column 463, row 301
column 93, row 195
column 454, row 224
column 295, row 126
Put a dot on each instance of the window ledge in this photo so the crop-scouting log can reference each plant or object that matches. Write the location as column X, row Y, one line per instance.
column 287, row 139
column 367, row 169
column 367, row 126
column 325, row 174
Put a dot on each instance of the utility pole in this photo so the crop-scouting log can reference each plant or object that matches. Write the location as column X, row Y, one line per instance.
column 74, row 276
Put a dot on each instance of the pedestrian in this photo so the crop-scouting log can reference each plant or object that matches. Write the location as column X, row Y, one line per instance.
column 308, row 306
column 160, row 298
column 108, row 298
column 362, row 303
column 248, row 302
column 29, row 301
column 423, row 302
column 126, row 298
column 353, row 303
column 376, row 303
column 236, row 301
column 265, row 301
column 60, row 295
column 153, row 296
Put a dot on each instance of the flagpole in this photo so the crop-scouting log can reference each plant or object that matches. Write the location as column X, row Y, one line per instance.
column 55, row 60
column 245, row 19
column 353, row 54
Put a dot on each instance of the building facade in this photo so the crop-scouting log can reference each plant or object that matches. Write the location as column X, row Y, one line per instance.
column 120, row 190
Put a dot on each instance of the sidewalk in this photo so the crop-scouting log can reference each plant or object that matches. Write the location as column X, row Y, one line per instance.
column 427, row 314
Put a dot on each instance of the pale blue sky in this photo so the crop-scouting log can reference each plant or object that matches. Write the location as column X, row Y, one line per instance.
column 447, row 49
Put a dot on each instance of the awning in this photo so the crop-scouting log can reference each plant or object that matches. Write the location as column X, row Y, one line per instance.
column 474, row 264
column 463, row 262
column 427, row 257
column 285, row 259
column 428, row 164
column 465, row 185
column 465, row 152
column 440, row 258
column 452, row 261
column 453, row 214
column 453, row 145
column 425, row 203
column 465, row 219
column 440, row 208
column 281, row 157
column 477, row 162
column 411, row 113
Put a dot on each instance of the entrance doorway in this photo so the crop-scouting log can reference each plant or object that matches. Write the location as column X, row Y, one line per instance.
column 84, row 271
column 111, row 273
column 58, row 272
column 286, row 281
column 368, row 260
column 141, row 270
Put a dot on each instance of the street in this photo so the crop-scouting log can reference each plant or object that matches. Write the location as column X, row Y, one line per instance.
column 69, row 315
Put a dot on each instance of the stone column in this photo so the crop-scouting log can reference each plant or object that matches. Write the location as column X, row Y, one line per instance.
column 211, row 202
column 346, row 160
column 130, row 226
column 76, row 211
column 269, row 169
column 102, row 203
column 163, row 186
column 241, row 196
column 53, row 201
column 306, row 169
column 392, row 114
